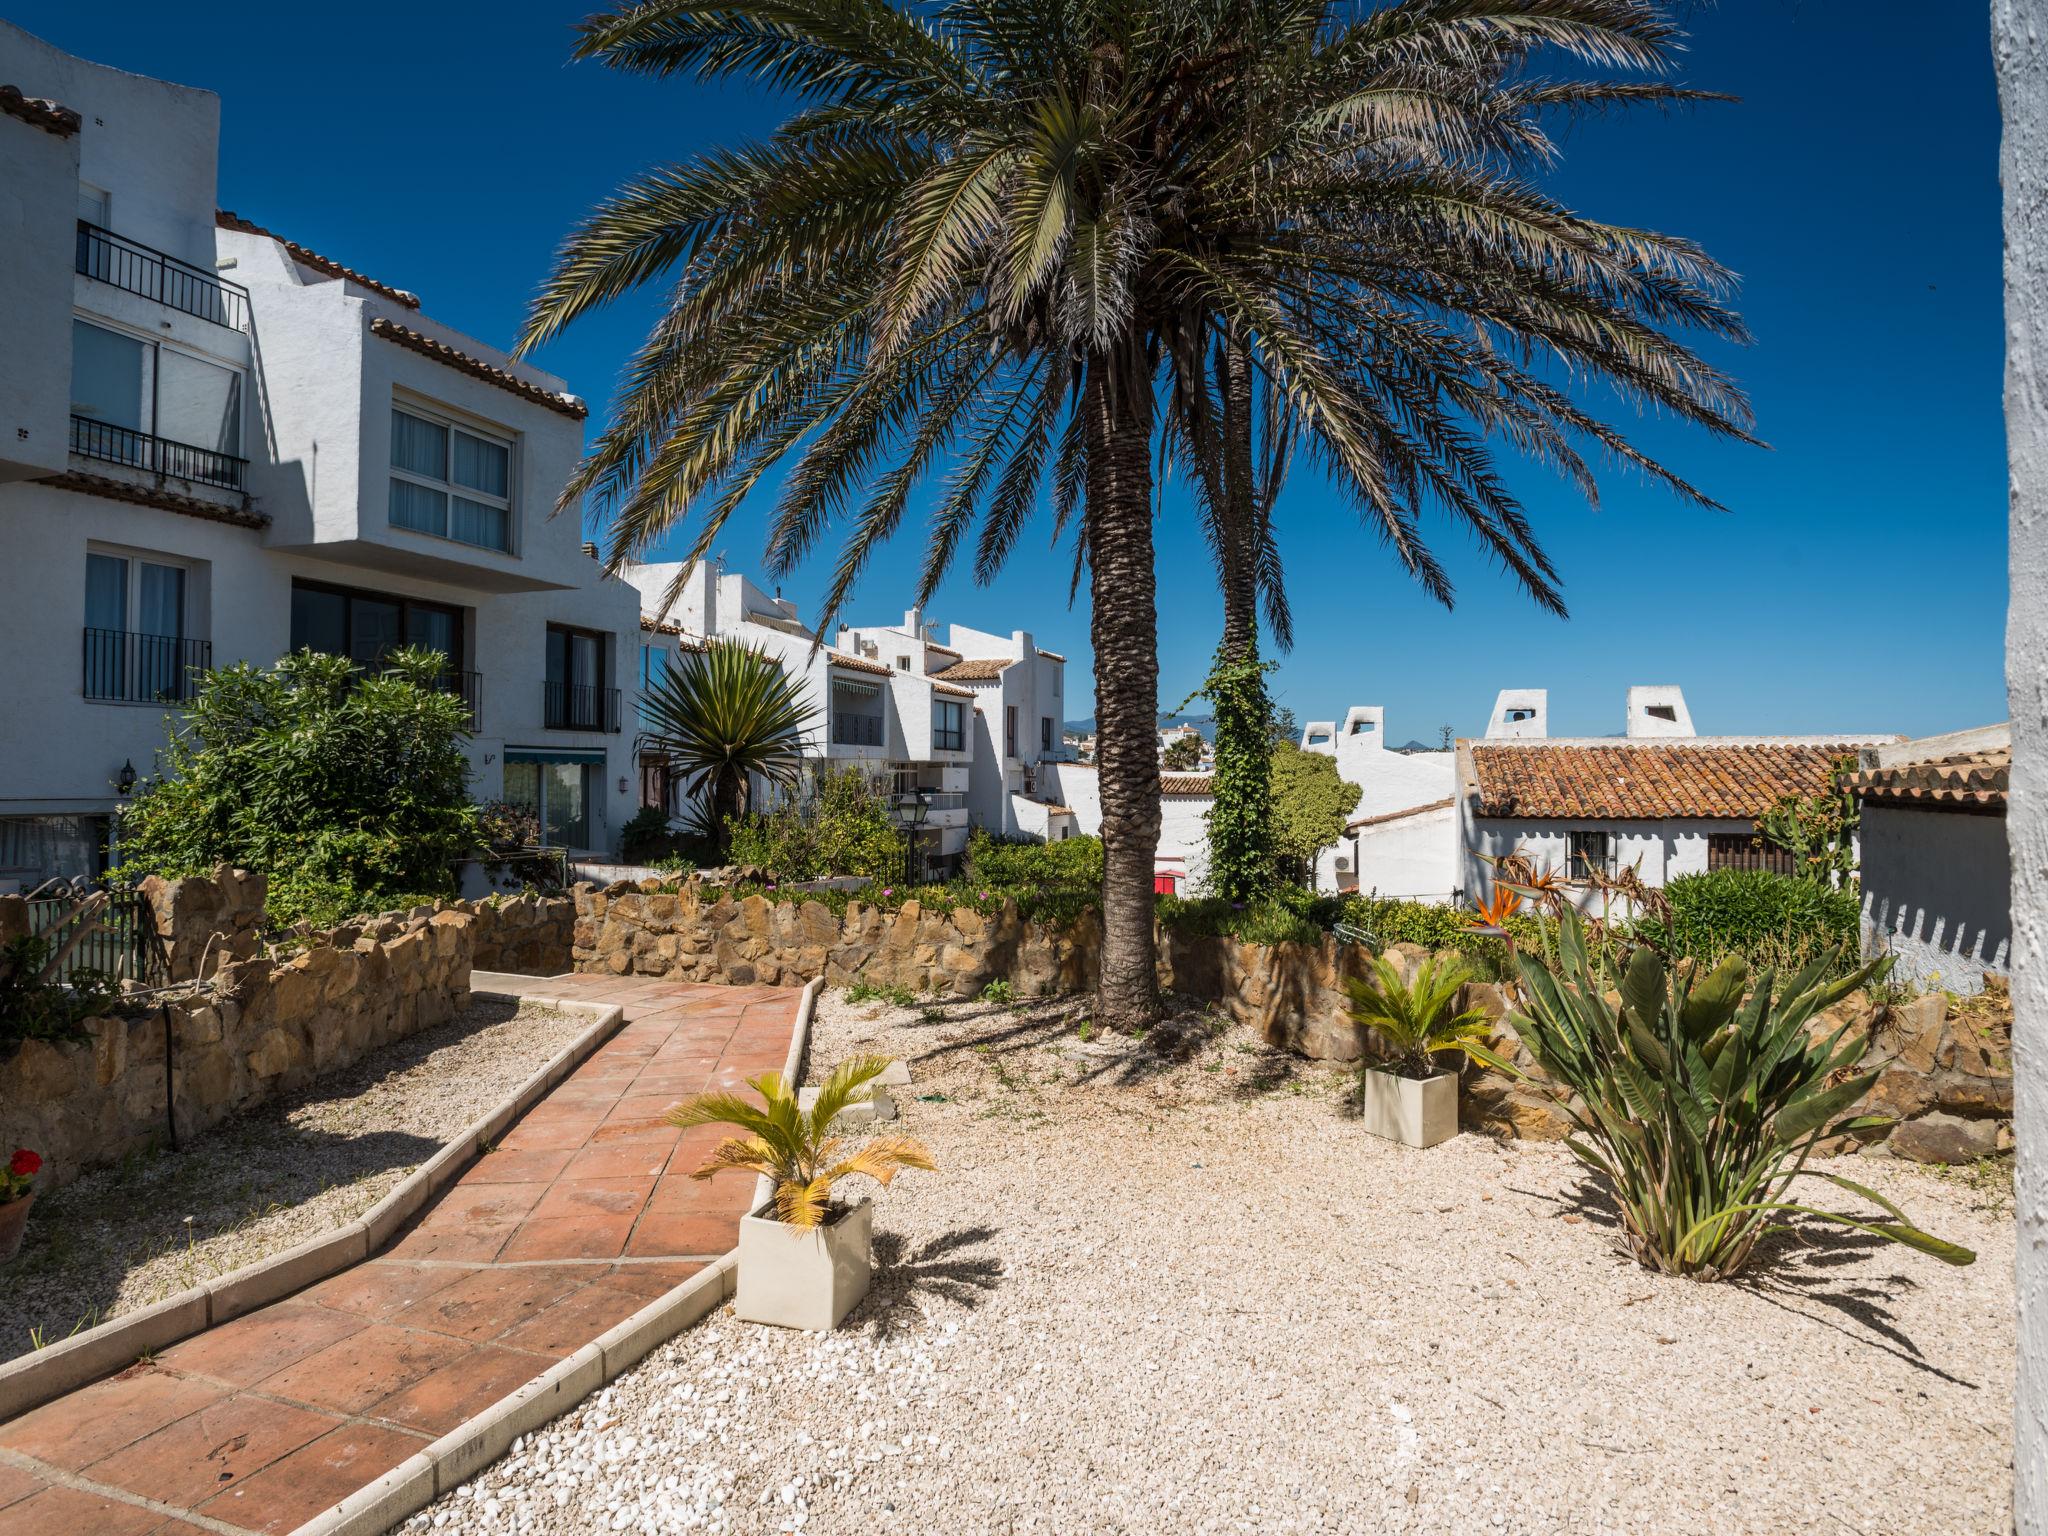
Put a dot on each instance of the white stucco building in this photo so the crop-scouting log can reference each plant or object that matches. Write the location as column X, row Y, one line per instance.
column 1655, row 799
column 217, row 446
column 1935, row 865
column 879, row 704
column 1400, row 840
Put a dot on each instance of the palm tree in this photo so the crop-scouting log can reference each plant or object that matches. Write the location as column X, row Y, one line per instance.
column 989, row 226
column 721, row 718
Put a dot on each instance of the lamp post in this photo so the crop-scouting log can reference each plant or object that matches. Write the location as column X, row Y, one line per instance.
column 919, row 807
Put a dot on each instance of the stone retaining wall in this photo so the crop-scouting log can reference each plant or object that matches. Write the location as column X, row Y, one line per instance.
column 524, row 935
column 264, row 1026
column 1949, row 1083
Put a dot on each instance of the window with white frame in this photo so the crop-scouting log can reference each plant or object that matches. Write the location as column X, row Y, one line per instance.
column 450, row 481
column 123, row 383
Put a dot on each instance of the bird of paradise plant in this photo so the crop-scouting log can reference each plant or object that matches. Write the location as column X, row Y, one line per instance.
column 796, row 1149
column 1495, row 908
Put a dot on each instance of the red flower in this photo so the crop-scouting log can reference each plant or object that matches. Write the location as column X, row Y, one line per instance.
column 25, row 1163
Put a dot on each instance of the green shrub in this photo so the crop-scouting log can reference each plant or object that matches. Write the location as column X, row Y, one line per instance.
column 1766, row 918
column 1698, row 1099
column 33, row 1009
column 868, row 992
column 1017, row 864
column 350, row 791
column 999, row 991
column 845, row 830
column 646, row 837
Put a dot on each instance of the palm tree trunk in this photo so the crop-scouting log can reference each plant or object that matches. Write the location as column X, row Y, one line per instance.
column 1236, row 553
column 1124, row 626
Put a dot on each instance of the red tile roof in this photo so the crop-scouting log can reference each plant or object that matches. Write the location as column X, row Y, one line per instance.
column 948, row 688
column 1184, row 783
column 476, row 367
column 1401, row 815
column 50, row 116
column 858, row 663
column 982, row 669
column 236, row 514
column 943, row 650
column 1968, row 781
column 323, row 264
column 1650, row 781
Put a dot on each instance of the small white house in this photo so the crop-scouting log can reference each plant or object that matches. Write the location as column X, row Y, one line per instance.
column 1401, row 842
column 218, row 445
column 1661, row 803
column 1936, row 868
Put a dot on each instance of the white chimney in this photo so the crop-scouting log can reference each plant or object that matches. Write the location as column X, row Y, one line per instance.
column 1366, row 724
column 1658, row 709
column 1520, row 713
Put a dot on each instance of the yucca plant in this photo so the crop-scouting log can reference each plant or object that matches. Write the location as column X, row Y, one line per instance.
column 1698, row 1098
column 795, row 1149
column 1417, row 1020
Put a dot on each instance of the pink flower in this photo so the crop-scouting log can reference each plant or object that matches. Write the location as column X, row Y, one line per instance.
column 25, row 1163
column 888, row 890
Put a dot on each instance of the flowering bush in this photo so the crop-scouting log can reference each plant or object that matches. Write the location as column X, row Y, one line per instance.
column 20, row 1172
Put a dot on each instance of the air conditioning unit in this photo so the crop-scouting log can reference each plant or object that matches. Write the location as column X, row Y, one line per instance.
column 1343, row 863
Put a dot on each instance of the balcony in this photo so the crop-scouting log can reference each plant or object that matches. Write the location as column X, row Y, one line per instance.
column 180, row 461
column 468, row 687
column 579, row 707
column 122, row 667
column 135, row 268
column 857, row 730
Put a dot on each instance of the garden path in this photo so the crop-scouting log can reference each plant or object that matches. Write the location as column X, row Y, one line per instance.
column 582, row 1214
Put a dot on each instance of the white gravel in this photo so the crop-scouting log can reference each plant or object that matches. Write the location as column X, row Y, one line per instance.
column 258, row 1183
column 1143, row 1296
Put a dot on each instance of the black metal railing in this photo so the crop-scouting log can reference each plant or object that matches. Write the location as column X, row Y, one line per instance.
column 579, row 707
column 905, row 807
column 467, row 686
column 137, row 268
column 857, row 730
column 122, row 667
column 181, row 461
column 123, row 944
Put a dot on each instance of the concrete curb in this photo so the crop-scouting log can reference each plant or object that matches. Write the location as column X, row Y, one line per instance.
column 463, row 1452
column 35, row 1379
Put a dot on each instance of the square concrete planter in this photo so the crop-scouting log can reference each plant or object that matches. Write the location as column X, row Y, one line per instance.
column 1417, row 1112
column 795, row 1277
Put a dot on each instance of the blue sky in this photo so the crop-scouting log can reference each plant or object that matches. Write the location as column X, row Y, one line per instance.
column 1857, row 582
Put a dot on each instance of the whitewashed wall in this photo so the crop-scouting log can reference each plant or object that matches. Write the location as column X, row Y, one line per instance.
column 1937, row 894
column 1411, row 859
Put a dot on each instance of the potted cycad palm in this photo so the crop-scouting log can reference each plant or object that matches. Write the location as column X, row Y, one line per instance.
column 1406, row 1096
column 804, row 1260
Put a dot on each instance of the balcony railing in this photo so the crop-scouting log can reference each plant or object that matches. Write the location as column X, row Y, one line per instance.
column 579, row 707
column 126, row 668
column 127, row 264
column 468, row 687
column 181, row 461
column 857, row 730
column 904, row 807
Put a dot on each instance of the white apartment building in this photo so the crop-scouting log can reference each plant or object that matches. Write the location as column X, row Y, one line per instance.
column 882, row 711
column 217, row 445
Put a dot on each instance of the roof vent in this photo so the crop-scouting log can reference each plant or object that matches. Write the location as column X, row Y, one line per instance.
column 1520, row 712
column 1658, row 710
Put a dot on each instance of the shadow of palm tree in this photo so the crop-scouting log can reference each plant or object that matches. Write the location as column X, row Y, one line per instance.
column 941, row 1267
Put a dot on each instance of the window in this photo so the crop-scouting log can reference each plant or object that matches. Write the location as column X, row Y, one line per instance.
column 1745, row 850
column 560, row 789
column 576, row 698
column 1045, row 733
column 949, row 725
column 902, row 663
column 367, row 626
column 653, row 666
column 449, row 482
column 112, row 377
column 134, row 629
column 93, row 204
column 1010, row 730
column 121, row 381
column 1589, row 851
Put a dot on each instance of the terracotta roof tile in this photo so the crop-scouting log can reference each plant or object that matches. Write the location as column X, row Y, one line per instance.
column 236, row 514
column 982, row 669
column 943, row 650
column 1968, row 781
column 1732, row 781
column 1184, row 783
column 50, row 116
column 1401, row 815
column 948, row 688
column 476, row 367
column 859, row 663
column 323, row 264
column 1052, row 655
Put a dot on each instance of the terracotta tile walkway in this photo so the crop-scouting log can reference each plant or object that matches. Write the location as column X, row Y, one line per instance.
column 581, row 1215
